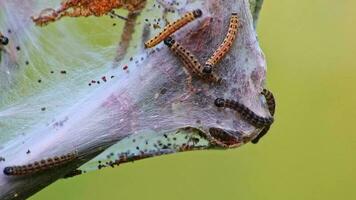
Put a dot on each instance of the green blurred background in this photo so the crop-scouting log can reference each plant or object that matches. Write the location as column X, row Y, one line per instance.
column 310, row 150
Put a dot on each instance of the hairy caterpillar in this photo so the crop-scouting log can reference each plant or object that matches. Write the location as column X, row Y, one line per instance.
column 38, row 166
column 245, row 112
column 271, row 104
column 190, row 61
column 224, row 138
column 173, row 27
column 225, row 46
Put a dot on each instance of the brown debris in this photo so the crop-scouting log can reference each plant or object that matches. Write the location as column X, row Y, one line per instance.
column 85, row 8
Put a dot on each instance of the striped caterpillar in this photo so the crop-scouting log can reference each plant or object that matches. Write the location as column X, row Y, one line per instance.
column 271, row 104
column 190, row 61
column 225, row 45
column 173, row 27
column 38, row 166
column 223, row 138
column 245, row 112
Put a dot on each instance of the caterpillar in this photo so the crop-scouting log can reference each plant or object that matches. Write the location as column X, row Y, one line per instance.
column 45, row 164
column 224, row 138
column 173, row 27
column 245, row 112
column 271, row 104
column 189, row 60
column 225, row 46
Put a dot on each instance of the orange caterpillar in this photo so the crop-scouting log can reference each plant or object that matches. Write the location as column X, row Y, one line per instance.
column 85, row 8
column 173, row 27
column 190, row 61
column 42, row 165
column 225, row 45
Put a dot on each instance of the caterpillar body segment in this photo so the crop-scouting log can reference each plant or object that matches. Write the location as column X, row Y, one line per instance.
column 271, row 103
column 173, row 27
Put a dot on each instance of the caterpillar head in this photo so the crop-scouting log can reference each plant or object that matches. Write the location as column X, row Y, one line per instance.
column 169, row 41
column 207, row 69
column 197, row 13
column 4, row 40
column 219, row 102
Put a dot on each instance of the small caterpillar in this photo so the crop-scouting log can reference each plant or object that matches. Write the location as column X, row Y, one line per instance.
column 245, row 112
column 225, row 45
column 224, row 138
column 3, row 40
column 173, row 27
column 271, row 104
column 190, row 61
column 38, row 166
